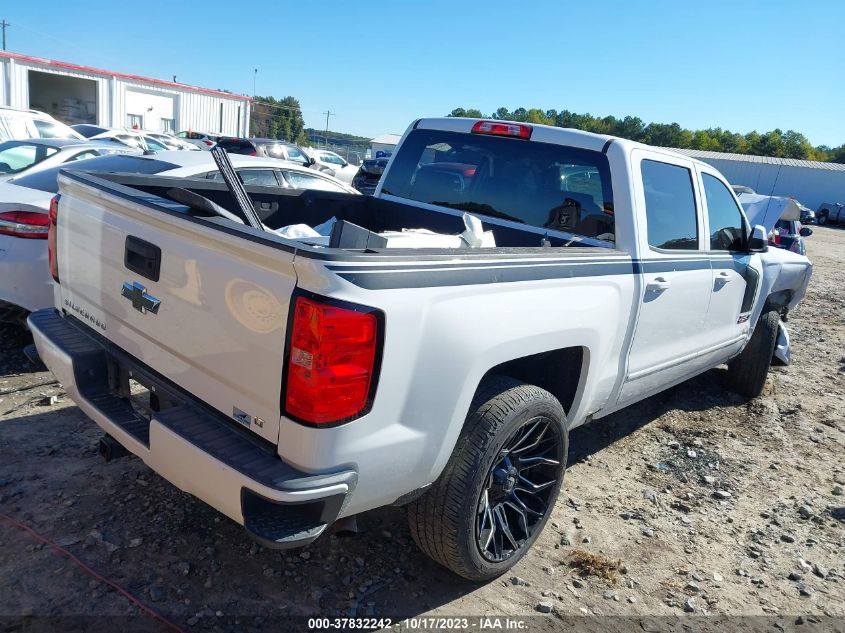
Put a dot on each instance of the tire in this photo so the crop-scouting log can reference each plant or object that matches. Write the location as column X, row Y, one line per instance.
column 451, row 522
column 747, row 372
column 822, row 219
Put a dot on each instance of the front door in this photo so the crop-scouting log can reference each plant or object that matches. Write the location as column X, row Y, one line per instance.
column 736, row 273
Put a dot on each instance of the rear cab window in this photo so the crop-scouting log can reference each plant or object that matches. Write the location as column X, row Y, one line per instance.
column 551, row 186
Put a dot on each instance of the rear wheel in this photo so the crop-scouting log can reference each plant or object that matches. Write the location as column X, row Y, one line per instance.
column 497, row 491
column 747, row 372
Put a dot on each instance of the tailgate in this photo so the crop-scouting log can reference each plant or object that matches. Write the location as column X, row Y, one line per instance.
column 219, row 327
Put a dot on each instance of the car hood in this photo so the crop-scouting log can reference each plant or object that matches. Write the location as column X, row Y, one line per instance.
column 767, row 210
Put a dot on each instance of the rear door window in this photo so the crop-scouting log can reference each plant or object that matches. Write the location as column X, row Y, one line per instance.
column 261, row 177
column 670, row 206
column 298, row 180
column 552, row 186
column 15, row 157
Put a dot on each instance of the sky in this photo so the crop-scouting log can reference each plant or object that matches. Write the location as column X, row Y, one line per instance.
column 377, row 64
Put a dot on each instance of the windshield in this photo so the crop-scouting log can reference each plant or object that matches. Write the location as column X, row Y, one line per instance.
column 16, row 156
column 47, row 179
column 551, row 186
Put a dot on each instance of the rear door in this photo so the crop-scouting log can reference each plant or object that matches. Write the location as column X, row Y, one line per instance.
column 219, row 330
column 675, row 273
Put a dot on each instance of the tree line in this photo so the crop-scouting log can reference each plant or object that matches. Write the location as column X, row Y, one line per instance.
column 777, row 143
column 277, row 118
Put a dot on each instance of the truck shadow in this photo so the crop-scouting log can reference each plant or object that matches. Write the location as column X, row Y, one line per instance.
column 701, row 393
column 13, row 338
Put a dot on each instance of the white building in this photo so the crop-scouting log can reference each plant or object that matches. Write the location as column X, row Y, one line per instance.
column 81, row 94
column 810, row 182
column 385, row 143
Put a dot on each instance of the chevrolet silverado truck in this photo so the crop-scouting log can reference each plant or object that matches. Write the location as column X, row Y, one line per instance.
column 295, row 383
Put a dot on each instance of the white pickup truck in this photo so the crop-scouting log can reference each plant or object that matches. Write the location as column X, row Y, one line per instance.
column 295, row 382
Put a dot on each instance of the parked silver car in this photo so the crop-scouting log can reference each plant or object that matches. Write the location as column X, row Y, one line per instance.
column 18, row 158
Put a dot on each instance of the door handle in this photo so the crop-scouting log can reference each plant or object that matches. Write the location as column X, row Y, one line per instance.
column 658, row 284
column 142, row 257
column 723, row 277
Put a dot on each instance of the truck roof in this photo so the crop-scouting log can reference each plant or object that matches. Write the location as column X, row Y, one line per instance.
column 547, row 134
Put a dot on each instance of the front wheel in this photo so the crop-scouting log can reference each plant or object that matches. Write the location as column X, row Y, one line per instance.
column 747, row 372
column 496, row 493
column 822, row 219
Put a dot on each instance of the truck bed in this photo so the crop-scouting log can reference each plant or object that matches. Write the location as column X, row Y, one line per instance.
column 278, row 207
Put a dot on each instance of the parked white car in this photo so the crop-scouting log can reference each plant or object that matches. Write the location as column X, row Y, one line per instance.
column 20, row 158
column 333, row 164
column 202, row 140
column 25, row 283
column 16, row 124
column 132, row 138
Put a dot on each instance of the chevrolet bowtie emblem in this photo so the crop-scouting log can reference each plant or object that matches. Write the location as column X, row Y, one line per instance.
column 141, row 301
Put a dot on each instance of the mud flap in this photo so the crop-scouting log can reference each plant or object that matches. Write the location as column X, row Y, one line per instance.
column 782, row 355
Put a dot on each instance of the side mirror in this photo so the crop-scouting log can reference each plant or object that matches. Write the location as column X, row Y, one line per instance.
column 805, row 232
column 312, row 161
column 758, row 241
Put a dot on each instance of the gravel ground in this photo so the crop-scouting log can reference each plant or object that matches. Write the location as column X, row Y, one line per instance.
column 695, row 501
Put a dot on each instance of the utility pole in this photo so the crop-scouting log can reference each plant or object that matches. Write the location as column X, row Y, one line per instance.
column 328, row 113
column 3, row 25
column 254, row 77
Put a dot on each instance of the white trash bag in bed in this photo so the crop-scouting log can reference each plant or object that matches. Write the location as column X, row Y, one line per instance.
column 474, row 235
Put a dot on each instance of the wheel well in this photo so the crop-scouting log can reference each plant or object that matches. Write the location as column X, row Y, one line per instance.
column 779, row 300
column 557, row 371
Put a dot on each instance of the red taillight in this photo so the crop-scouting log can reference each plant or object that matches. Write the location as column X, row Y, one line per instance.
column 496, row 128
column 26, row 224
column 252, row 154
column 207, row 142
column 51, row 238
column 331, row 364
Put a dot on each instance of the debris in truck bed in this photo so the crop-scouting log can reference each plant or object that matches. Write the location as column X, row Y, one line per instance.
column 344, row 234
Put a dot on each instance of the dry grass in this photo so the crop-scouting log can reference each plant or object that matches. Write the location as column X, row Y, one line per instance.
column 589, row 564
